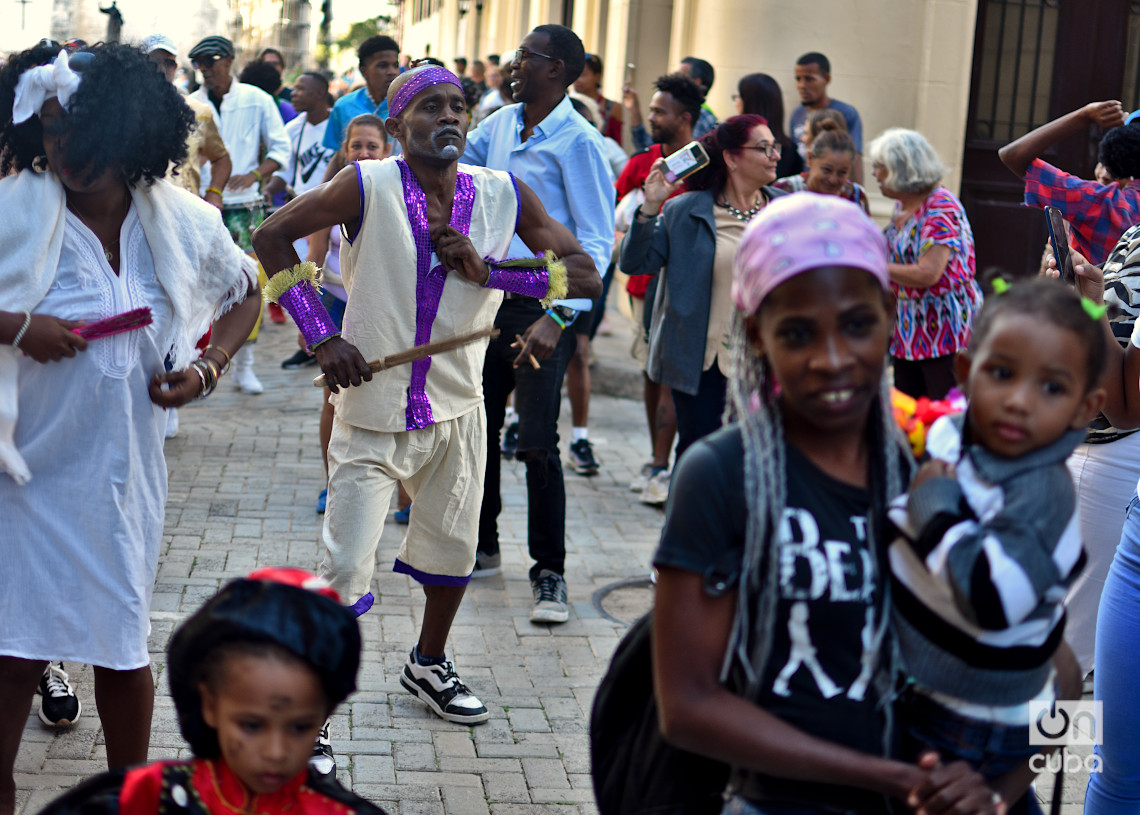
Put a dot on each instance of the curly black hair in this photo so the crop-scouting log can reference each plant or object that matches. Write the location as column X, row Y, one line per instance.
column 1120, row 151
column 125, row 115
column 261, row 75
column 686, row 93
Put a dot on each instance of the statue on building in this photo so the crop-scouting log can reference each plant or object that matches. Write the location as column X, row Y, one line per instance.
column 114, row 22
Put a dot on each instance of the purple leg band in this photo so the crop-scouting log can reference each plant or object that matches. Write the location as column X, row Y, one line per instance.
column 363, row 604
column 307, row 311
column 527, row 282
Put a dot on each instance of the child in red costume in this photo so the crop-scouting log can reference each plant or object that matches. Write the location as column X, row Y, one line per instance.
column 254, row 674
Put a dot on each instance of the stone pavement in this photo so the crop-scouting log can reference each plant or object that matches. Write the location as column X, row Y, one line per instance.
column 244, row 476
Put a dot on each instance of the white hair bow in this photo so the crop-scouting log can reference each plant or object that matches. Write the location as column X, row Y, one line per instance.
column 41, row 83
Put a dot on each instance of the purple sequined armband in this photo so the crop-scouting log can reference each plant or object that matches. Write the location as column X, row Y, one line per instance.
column 519, row 280
column 307, row 311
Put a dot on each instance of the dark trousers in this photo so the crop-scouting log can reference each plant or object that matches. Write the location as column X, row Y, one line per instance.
column 538, row 400
column 700, row 414
column 932, row 378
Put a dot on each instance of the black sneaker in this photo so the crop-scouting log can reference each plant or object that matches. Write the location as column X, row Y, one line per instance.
column 439, row 687
column 582, row 459
column 301, row 359
column 59, row 706
column 510, row 444
column 322, row 761
column 550, row 604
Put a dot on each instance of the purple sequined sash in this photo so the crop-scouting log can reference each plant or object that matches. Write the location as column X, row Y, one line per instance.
column 429, row 279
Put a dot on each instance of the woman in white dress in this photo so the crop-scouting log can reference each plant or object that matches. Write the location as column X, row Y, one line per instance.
column 89, row 234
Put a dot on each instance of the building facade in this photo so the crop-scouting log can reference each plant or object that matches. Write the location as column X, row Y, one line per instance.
column 971, row 75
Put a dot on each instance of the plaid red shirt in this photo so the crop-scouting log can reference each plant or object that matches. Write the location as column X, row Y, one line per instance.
column 1099, row 214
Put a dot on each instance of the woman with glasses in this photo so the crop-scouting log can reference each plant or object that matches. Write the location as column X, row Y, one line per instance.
column 588, row 84
column 931, row 263
column 831, row 159
column 692, row 240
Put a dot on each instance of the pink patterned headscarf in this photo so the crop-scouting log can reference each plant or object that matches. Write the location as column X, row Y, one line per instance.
column 800, row 232
column 423, row 78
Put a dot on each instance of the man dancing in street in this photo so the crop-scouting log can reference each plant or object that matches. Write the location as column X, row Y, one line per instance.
column 426, row 237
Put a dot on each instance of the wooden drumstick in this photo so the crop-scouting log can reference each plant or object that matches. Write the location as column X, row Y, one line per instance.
column 419, row 352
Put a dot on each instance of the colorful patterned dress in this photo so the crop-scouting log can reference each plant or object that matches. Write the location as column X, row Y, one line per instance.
column 935, row 321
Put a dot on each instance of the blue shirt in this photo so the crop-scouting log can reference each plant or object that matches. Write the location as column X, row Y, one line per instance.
column 564, row 162
column 347, row 108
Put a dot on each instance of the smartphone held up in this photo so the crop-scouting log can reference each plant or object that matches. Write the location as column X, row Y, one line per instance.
column 684, row 162
column 1059, row 240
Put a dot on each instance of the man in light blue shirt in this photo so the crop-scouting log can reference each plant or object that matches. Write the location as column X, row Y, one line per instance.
column 379, row 59
column 562, row 157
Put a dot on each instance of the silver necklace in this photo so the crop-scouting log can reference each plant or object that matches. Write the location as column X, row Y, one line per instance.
column 744, row 216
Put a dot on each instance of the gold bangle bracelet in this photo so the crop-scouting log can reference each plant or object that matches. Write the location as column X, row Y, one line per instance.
column 213, row 189
column 256, row 173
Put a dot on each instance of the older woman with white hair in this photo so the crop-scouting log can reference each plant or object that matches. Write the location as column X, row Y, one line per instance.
column 931, row 263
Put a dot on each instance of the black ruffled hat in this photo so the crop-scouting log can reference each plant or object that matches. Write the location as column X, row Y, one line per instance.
column 289, row 608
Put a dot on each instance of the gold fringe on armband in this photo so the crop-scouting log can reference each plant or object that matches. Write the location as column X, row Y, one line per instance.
column 288, row 278
column 557, row 286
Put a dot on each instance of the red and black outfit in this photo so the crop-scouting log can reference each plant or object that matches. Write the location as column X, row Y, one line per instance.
column 204, row 787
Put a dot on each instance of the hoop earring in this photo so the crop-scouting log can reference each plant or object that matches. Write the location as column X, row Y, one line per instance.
column 40, row 165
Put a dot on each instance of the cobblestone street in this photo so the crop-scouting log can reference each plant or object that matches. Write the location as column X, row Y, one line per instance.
column 245, row 472
column 244, row 476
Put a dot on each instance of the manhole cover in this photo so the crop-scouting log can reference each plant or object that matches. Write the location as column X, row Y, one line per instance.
column 625, row 601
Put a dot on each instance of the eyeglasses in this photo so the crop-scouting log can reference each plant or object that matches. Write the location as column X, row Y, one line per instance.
column 523, row 54
column 168, row 62
column 205, row 62
column 770, row 149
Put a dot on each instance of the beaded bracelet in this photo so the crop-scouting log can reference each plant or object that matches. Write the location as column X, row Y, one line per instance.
column 23, row 329
column 552, row 315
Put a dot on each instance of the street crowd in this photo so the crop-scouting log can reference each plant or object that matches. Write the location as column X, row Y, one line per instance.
column 844, row 621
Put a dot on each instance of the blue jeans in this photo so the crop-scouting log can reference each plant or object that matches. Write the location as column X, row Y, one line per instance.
column 538, row 400
column 991, row 748
column 1116, row 788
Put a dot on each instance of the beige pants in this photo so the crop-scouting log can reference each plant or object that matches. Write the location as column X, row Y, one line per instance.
column 442, row 467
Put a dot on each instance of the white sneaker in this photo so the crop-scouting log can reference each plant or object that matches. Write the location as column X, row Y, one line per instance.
column 244, row 377
column 657, row 490
column 639, row 483
column 439, row 687
column 171, row 422
column 322, row 759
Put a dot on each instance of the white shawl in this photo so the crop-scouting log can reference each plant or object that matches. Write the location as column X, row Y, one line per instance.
column 197, row 264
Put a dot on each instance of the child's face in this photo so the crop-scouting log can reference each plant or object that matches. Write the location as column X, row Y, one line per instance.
column 1027, row 385
column 267, row 713
column 825, row 335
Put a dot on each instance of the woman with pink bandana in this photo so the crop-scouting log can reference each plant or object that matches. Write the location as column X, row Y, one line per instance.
column 772, row 651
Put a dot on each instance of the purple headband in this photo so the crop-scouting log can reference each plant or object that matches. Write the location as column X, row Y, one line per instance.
column 424, row 78
column 800, row 232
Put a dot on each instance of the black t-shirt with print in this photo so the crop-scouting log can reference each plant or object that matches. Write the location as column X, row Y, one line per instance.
column 830, row 604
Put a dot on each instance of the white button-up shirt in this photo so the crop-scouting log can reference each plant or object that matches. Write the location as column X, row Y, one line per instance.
column 249, row 119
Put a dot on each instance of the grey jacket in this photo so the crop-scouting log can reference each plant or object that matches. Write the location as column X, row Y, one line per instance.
column 681, row 245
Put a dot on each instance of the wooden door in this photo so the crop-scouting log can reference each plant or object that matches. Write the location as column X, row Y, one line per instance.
column 1035, row 60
